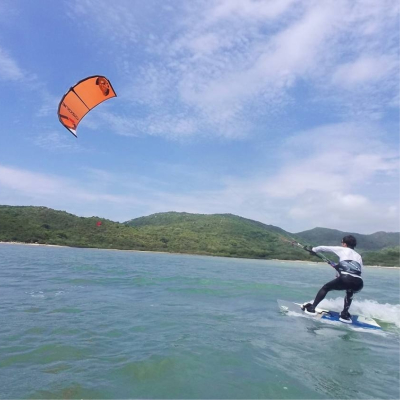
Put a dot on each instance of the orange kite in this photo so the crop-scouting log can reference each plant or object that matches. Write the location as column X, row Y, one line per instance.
column 81, row 98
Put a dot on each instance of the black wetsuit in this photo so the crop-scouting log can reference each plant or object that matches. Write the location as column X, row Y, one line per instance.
column 351, row 284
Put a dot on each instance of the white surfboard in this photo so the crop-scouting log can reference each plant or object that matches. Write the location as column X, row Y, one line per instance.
column 358, row 321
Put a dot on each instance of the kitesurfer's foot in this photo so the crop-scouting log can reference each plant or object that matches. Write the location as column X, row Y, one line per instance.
column 308, row 309
column 345, row 317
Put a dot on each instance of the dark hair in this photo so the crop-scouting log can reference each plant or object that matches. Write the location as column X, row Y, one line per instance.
column 350, row 241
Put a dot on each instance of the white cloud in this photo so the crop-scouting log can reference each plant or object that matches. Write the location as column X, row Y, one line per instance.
column 118, row 23
column 318, row 181
column 333, row 176
column 342, row 211
column 46, row 188
column 25, row 80
column 28, row 183
column 56, row 142
column 221, row 65
column 340, row 157
column 364, row 69
column 90, row 187
column 249, row 9
column 9, row 68
column 267, row 64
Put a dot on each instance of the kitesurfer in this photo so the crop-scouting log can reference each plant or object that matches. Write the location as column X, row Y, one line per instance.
column 348, row 277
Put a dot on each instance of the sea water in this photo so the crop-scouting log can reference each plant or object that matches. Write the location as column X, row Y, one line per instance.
column 87, row 323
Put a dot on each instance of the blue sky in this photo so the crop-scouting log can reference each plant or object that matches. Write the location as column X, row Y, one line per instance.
column 286, row 112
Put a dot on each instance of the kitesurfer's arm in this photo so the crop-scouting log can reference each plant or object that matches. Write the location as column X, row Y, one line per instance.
column 344, row 253
column 328, row 249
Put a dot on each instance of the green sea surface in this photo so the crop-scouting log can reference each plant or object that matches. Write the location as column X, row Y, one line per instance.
column 86, row 323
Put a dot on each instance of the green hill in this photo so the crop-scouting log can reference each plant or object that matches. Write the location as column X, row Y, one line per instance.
column 47, row 226
column 389, row 256
column 332, row 237
column 385, row 254
column 218, row 234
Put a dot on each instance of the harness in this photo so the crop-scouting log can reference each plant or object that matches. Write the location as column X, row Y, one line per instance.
column 349, row 267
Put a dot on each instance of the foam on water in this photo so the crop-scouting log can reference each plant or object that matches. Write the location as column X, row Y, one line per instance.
column 38, row 294
column 389, row 313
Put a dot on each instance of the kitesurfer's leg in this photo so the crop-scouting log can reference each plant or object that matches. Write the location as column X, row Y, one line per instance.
column 353, row 285
column 332, row 285
column 336, row 284
column 345, row 315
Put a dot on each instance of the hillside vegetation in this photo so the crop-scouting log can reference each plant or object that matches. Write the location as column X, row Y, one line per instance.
column 332, row 237
column 218, row 235
column 389, row 256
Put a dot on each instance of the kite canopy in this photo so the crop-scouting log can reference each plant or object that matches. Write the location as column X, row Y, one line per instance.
column 81, row 98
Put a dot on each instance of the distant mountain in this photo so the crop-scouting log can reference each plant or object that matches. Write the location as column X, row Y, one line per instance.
column 218, row 234
column 333, row 237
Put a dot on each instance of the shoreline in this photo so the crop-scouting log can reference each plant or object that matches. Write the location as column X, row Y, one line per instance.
column 187, row 254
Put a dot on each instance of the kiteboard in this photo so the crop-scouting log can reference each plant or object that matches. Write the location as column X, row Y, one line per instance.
column 358, row 321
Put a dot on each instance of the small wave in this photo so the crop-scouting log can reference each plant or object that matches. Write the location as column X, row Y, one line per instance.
column 389, row 313
column 45, row 294
column 73, row 391
column 38, row 294
column 67, row 310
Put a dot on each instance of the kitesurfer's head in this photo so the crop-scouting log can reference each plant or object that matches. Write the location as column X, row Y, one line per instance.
column 349, row 241
column 103, row 85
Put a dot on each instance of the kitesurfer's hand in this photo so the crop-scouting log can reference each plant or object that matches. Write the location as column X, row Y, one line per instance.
column 309, row 249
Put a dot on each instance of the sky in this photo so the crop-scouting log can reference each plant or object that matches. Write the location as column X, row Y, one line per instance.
column 285, row 112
